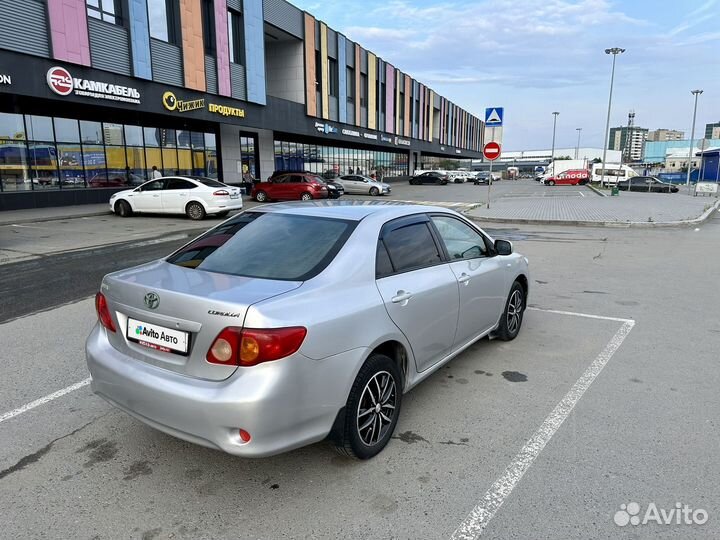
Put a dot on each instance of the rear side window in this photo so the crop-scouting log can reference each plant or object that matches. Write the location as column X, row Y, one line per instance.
column 208, row 181
column 411, row 247
column 383, row 266
column 268, row 246
column 179, row 183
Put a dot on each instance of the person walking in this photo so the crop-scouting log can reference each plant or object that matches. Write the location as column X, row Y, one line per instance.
column 155, row 174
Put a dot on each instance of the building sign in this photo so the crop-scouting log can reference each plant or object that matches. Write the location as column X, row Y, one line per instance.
column 385, row 138
column 5, row 79
column 402, row 142
column 325, row 128
column 224, row 110
column 62, row 83
column 172, row 103
column 372, row 136
column 350, row 133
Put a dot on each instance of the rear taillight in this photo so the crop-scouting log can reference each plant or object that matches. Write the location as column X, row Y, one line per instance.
column 221, row 193
column 251, row 346
column 103, row 312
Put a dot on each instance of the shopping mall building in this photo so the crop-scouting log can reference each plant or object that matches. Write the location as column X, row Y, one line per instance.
column 95, row 93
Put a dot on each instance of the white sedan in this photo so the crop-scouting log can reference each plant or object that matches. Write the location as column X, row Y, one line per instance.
column 194, row 196
column 363, row 185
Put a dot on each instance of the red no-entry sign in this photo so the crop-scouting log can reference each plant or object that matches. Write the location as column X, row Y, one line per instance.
column 491, row 151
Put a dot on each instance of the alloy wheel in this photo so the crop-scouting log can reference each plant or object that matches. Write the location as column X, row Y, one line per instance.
column 376, row 408
column 514, row 312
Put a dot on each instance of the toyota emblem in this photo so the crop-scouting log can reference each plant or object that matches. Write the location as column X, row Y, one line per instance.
column 152, row 300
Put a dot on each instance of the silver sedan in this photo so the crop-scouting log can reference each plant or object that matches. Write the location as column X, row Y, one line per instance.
column 289, row 324
column 363, row 185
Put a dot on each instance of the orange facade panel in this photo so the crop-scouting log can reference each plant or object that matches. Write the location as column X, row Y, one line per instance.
column 310, row 73
column 192, row 44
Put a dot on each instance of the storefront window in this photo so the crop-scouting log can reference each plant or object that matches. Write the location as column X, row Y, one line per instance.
column 94, row 163
column 67, row 130
column 197, row 140
column 113, row 134
column 70, row 163
column 185, row 163
column 198, row 157
column 133, row 135
column 117, row 175
column 39, row 128
column 42, row 159
column 152, row 136
column 91, row 132
column 170, row 161
column 136, row 164
column 167, row 138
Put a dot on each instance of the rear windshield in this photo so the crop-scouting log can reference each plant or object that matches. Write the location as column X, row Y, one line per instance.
column 268, row 246
column 207, row 181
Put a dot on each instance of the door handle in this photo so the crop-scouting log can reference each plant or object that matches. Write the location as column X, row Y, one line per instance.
column 464, row 278
column 401, row 297
column 156, row 195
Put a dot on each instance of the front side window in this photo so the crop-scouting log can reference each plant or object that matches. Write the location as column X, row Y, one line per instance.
column 411, row 247
column 105, row 10
column 461, row 240
column 268, row 246
column 154, row 185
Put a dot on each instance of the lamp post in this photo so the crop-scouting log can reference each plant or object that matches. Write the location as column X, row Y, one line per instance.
column 614, row 51
column 695, row 93
column 577, row 148
column 552, row 151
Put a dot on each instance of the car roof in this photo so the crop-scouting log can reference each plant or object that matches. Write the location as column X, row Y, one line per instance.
column 352, row 210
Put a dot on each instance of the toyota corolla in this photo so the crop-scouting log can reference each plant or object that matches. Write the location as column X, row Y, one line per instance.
column 290, row 324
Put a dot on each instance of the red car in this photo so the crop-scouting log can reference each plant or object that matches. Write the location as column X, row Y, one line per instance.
column 290, row 187
column 571, row 177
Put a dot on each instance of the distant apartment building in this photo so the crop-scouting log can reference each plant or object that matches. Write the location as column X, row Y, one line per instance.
column 712, row 131
column 630, row 140
column 658, row 135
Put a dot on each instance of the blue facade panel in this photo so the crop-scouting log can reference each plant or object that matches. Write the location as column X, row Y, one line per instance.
column 254, row 51
column 140, row 39
column 342, row 79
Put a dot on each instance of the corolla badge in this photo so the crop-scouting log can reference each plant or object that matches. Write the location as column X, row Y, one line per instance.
column 152, row 300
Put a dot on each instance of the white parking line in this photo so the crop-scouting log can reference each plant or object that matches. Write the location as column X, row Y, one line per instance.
column 585, row 315
column 50, row 397
column 474, row 524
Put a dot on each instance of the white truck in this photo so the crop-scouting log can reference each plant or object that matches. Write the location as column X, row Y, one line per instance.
column 561, row 165
column 613, row 172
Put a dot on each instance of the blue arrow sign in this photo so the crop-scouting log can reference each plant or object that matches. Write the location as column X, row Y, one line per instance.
column 494, row 117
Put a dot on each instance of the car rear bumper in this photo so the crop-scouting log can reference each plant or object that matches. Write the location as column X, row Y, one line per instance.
column 284, row 404
column 224, row 205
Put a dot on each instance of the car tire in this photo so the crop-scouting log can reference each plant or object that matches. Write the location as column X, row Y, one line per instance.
column 374, row 191
column 443, row 183
column 261, row 196
column 551, row 183
column 512, row 316
column 195, row 211
column 413, row 182
column 364, row 434
column 123, row 209
column 306, row 197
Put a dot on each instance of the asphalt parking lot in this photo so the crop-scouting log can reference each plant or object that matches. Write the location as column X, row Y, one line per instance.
column 608, row 395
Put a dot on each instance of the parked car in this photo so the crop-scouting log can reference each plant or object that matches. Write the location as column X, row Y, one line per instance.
column 363, row 185
column 115, row 179
column 483, row 177
column 335, row 189
column 430, row 177
column 194, row 196
column 292, row 186
column 571, row 177
column 650, row 184
column 265, row 334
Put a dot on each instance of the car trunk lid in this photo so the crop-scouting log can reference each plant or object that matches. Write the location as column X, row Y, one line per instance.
column 168, row 315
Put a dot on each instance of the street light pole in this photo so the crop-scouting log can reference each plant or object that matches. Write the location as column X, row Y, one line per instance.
column 577, row 148
column 614, row 51
column 552, row 152
column 695, row 93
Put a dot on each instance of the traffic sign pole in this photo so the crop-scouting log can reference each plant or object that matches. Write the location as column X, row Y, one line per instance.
column 490, row 181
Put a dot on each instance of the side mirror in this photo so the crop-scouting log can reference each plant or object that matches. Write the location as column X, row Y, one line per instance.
column 503, row 247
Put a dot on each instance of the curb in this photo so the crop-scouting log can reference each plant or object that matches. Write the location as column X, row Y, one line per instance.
column 609, row 224
column 597, row 191
column 22, row 221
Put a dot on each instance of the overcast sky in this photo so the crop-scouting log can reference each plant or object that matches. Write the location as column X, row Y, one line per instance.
column 538, row 56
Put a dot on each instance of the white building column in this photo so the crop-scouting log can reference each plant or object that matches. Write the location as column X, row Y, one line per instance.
column 232, row 156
